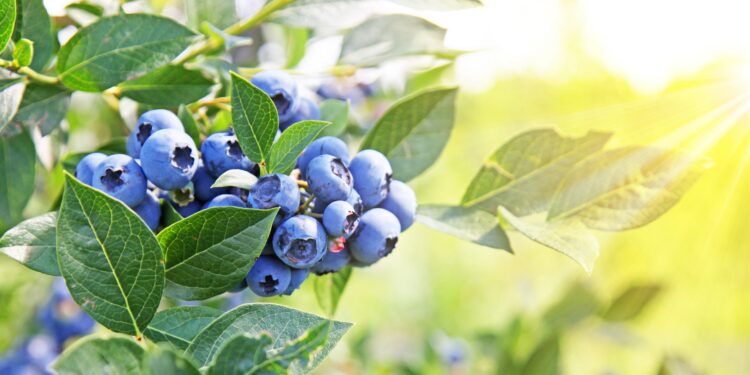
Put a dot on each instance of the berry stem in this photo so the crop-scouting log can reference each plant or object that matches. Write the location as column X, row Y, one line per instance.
column 313, row 214
column 302, row 183
column 29, row 73
column 306, row 204
column 210, row 102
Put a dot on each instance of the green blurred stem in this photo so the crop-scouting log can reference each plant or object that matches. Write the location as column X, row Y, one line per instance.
column 29, row 73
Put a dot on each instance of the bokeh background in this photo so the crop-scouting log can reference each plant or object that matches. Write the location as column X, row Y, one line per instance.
column 664, row 72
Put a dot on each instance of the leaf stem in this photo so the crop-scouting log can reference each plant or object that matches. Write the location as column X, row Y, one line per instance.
column 30, row 73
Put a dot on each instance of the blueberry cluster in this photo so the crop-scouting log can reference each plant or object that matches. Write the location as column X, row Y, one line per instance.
column 333, row 210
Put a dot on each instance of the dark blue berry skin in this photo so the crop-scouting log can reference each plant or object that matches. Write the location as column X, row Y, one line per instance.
column 32, row 356
column 323, row 146
column 402, row 202
column 61, row 316
column 225, row 200
column 375, row 237
column 329, row 179
column 202, row 182
column 221, row 152
column 282, row 89
column 149, row 123
column 268, row 277
column 307, row 110
column 356, row 201
column 122, row 178
column 275, row 190
column 332, row 262
column 188, row 209
column 169, row 159
column 149, row 210
column 340, row 219
column 372, row 176
column 298, row 277
column 300, row 241
column 87, row 165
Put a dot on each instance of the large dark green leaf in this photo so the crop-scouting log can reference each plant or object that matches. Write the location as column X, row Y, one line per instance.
column 33, row 23
column 101, row 355
column 11, row 95
column 170, row 85
column 7, row 21
column 32, row 243
column 43, row 106
column 468, row 224
column 414, row 131
column 17, row 159
column 118, row 48
column 330, row 287
column 111, row 261
column 290, row 145
column 179, row 325
column 211, row 251
column 254, row 117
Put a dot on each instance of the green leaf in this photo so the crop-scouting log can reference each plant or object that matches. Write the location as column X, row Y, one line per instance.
column 414, row 131
column 11, row 94
column 317, row 13
column 241, row 354
column 330, row 287
column 168, row 86
column 631, row 302
column 431, row 77
column 625, row 188
column 167, row 361
column 209, row 252
column 34, row 23
column 32, row 243
column 255, row 119
column 290, row 145
column 236, row 178
column 523, row 174
column 569, row 237
column 337, row 113
column 99, row 355
column 282, row 323
column 43, row 106
column 296, row 45
column 544, row 359
column 7, row 21
column 578, row 303
column 220, row 13
column 169, row 215
column 23, row 53
column 119, row 48
column 109, row 258
column 381, row 38
column 17, row 160
column 92, row 9
column 188, row 122
column 465, row 223
column 300, row 351
column 179, row 325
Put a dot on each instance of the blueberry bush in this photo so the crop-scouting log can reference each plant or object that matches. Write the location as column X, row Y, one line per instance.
column 235, row 176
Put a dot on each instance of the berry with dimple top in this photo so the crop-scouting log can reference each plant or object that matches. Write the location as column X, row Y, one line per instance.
column 221, row 152
column 149, row 210
column 87, row 165
column 121, row 177
column 225, row 200
column 323, row 146
column 149, row 123
column 329, row 179
column 372, row 176
column 376, row 236
column 268, row 276
column 332, row 261
column 202, row 182
column 307, row 110
column 402, row 202
column 282, row 89
column 169, row 159
column 275, row 190
column 298, row 277
column 300, row 241
column 340, row 219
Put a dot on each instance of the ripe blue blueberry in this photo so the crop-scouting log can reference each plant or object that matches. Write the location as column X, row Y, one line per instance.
column 402, row 202
column 149, row 210
column 300, row 241
column 225, row 200
column 332, row 262
column 307, row 110
column 169, row 159
column 275, row 190
column 356, row 201
column 120, row 176
column 323, row 146
column 62, row 317
column 375, row 237
column 298, row 277
column 282, row 89
column 372, row 176
column 340, row 219
column 221, row 152
column 329, row 179
column 188, row 209
column 202, row 182
column 268, row 277
column 87, row 165
column 149, row 123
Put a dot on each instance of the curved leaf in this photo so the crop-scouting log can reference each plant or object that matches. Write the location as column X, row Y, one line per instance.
column 43, row 107
column 330, row 287
column 290, row 145
column 32, row 243
column 100, row 355
column 33, row 23
column 468, row 224
column 7, row 21
column 179, row 325
column 11, row 95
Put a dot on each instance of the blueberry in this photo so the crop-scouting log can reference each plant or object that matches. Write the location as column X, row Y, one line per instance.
column 149, row 210
column 402, row 202
column 169, row 159
column 323, row 146
column 307, row 110
column 372, row 176
column 221, row 152
column 298, row 277
column 340, row 219
column 376, row 236
column 188, row 209
column 224, row 200
column 120, row 176
column 356, row 201
column 329, row 179
column 275, row 190
column 62, row 317
column 87, row 165
column 149, row 123
column 202, row 182
column 332, row 262
column 282, row 89
column 300, row 241
column 268, row 277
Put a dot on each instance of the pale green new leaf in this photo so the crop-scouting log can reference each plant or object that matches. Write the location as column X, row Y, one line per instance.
column 236, row 178
column 290, row 145
column 32, row 243
column 254, row 118
column 330, row 287
column 466, row 223
column 101, row 355
column 179, row 325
